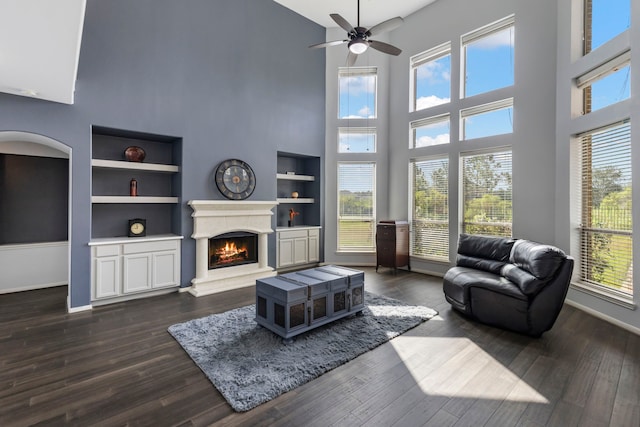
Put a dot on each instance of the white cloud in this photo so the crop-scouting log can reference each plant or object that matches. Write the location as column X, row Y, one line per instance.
column 358, row 85
column 365, row 112
column 426, row 141
column 434, row 72
column 430, row 101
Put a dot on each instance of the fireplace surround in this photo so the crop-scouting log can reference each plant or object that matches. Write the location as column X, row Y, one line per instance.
column 214, row 218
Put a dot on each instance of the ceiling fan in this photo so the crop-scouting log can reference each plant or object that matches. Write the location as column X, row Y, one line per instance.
column 358, row 37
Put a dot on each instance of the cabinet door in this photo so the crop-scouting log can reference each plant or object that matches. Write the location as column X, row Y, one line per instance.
column 314, row 248
column 165, row 269
column 300, row 250
column 136, row 272
column 285, row 252
column 107, row 277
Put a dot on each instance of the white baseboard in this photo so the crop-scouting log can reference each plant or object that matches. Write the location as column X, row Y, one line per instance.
column 32, row 287
column 604, row 317
column 72, row 310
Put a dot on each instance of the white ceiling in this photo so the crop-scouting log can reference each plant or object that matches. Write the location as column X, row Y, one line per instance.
column 40, row 39
column 39, row 47
column 372, row 12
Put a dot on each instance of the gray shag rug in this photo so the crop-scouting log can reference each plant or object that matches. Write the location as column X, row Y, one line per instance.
column 250, row 365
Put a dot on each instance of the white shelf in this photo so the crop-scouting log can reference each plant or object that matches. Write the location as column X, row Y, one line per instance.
column 129, row 199
column 118, row 240
column 116, row 164
column 299, row 200
column 295, row 177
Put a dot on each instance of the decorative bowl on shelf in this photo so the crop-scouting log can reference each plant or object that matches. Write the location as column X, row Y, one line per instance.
column 134, row 154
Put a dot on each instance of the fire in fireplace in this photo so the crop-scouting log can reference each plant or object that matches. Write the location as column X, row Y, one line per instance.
column 231, row 249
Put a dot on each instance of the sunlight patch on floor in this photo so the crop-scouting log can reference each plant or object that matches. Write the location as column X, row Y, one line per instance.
column 457, row 367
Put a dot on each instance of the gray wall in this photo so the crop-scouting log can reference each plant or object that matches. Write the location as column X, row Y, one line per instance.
column 533, row 139
column 232, row 78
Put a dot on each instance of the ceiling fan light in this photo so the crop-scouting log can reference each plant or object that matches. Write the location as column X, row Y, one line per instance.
column 358, row 46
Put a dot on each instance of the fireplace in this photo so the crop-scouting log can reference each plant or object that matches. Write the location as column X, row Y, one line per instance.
column 240, row 223
column 231, row 249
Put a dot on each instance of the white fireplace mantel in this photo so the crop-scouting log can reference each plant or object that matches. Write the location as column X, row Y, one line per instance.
column 215, row 217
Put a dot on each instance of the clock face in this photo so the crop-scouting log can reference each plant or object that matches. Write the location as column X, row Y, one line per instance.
column 137, row 227
column 235, row 179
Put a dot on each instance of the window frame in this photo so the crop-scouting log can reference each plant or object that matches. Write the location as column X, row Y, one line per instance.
column 585, row 81
column 417, row 124
column 477, row 110
column 587, row 232
column 412, row 210
column 347, row 72
column 372, row 220
column 462, row 190
column 416, row 61
column 344, row 130
column 478, row 34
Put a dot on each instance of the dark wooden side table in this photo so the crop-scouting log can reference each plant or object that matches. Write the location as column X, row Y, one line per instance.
column 392, row 244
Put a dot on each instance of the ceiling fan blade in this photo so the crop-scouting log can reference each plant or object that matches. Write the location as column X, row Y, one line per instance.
column 385, row 26
column 351, row 59
column 343, row 23
column 385, row 47
column 327, row 44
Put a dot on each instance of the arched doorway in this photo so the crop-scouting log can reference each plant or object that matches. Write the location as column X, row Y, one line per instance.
column 34, row 163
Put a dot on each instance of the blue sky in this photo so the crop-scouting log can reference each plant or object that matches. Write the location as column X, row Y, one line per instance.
column 489, row 67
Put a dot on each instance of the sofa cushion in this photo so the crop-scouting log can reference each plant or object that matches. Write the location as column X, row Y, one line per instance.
column 527, row 282
column 540, row 260
column 489, row 265
column 495, row 248
column 459, row 280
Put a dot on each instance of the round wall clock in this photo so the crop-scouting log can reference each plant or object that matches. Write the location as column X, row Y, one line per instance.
column 235, row 179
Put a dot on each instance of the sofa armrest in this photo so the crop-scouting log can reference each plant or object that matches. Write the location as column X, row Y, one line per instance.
column 527, row 282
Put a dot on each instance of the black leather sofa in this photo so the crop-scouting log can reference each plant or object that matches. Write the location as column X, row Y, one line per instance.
column 513, row 284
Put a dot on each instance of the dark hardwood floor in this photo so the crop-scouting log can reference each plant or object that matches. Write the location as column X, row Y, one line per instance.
column 117, row 365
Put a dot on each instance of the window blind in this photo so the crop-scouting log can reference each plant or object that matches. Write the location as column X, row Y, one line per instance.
column 430, row 55
column 356, row 206
column 487, row 193
column 488, row 30
column 606, row 223
column 430, row 208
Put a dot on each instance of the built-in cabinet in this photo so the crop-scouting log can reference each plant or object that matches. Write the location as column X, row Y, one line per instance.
column 123, row 266
column 298, row 246
column 298, row 186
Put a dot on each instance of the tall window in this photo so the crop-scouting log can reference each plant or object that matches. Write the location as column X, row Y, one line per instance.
column 606, row 229
column 357, row 93
column 603, row 20
column 486, row 192
column 488, row 57
column 356, row 206
column 431, row 77
column 430, row 131
column 430, row 208
column 356, row 140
